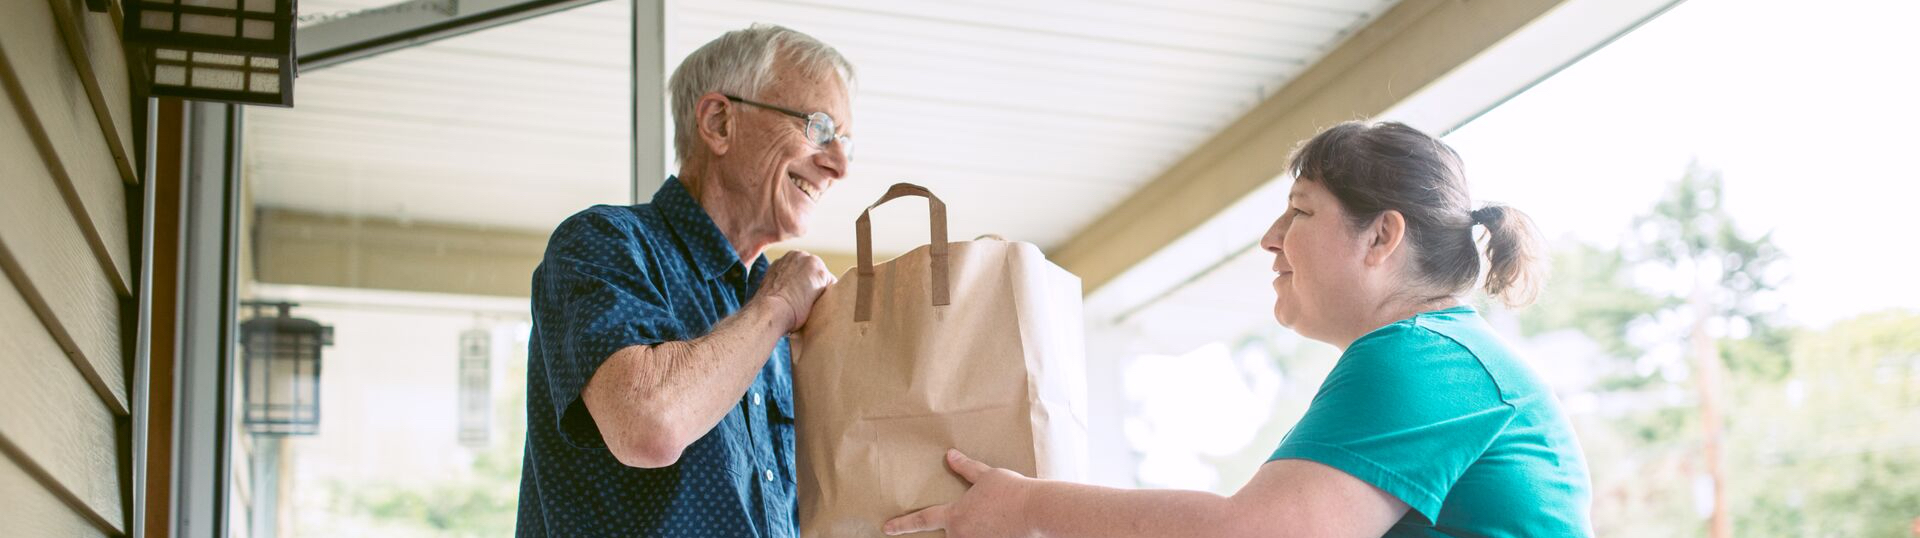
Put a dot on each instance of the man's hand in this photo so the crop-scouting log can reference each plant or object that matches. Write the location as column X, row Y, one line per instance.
column 793, row 283
column 651, row 402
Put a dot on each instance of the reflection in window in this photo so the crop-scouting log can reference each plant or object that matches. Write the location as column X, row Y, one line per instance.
column 405, row 203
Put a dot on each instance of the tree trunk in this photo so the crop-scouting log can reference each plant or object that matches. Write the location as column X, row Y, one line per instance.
column 1706, row 369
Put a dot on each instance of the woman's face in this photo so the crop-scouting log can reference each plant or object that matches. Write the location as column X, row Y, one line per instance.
column 1317, row 262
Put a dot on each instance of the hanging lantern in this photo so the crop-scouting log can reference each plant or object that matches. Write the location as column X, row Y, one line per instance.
column 281, row 356
column 237, row 51
column 476, row 387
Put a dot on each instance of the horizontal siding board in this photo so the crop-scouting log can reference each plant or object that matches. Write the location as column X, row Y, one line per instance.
column 53, row 420
column 28, row 510
column 36, row 63
column 45, row 254
column 93, row 39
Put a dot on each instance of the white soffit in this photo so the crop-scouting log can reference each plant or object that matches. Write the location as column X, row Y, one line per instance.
column 1030, row 119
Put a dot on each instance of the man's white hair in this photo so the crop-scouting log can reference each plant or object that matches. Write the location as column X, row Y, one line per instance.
column 741, row 63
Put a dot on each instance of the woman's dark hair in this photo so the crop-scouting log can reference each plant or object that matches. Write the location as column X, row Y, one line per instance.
column 1372, row 168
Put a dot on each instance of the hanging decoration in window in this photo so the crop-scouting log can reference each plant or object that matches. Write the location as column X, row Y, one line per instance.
column 476, row 387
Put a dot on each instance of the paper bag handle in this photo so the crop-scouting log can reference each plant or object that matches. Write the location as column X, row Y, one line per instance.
column 863, row 228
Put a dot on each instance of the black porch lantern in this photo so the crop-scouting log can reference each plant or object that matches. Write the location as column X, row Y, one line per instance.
column 281, row 355
column 238, row 51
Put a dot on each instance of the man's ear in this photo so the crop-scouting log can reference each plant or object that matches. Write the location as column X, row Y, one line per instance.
column 1384, row 236
column 713, row 117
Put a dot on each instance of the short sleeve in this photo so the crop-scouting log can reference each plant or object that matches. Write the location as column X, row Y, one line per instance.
column 593, row 294
column 1407, row 410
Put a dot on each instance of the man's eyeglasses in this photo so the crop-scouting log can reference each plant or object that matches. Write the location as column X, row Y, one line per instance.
column 820, row 127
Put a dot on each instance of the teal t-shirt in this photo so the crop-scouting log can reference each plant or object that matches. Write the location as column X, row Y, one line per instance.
column 1437, row 411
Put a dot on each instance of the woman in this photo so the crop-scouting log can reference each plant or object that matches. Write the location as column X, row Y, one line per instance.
column 1427, row 426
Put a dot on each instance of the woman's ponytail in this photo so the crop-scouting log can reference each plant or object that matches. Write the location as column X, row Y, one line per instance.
column 1516, row 270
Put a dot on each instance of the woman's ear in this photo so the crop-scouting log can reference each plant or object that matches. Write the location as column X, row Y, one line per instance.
column 1384, row 236
column 713, row 120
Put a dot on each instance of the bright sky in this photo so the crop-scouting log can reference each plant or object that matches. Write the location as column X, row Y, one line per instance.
column 1811, row 110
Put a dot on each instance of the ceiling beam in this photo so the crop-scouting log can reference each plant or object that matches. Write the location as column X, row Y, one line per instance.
column 1410, row 46
column 310, row 249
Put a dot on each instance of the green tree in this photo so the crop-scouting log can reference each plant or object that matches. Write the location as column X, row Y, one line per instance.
column 1591, row 293
column 1713, row 276
column 1831, row 448
column 1678, row 300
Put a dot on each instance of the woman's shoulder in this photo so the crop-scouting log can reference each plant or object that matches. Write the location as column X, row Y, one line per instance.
column 1454, row 346
column 1425, row 336
column 1405, row 353
column 1474, row 337
column 1414, row 373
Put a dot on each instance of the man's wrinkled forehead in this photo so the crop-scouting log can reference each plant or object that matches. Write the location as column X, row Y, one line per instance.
column 812, row 90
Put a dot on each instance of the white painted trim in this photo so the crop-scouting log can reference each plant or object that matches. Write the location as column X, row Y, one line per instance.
column 203, row 379
column 402, row 300
column 143, row 325
column 370, row 32
column 652, row 144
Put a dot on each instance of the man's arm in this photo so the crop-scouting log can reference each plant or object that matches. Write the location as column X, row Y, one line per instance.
column 650, row 402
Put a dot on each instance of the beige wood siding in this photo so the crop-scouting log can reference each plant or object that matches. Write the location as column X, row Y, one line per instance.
column 66, row 269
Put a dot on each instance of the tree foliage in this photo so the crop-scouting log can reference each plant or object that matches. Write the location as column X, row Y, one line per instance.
column 1820, row 423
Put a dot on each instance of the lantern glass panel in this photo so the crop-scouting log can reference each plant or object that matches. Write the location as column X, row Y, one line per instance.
column 170, row 75
column 256, row 30
column 218, row 4
column 156, row 20
column 244, row 78
column 213, row 25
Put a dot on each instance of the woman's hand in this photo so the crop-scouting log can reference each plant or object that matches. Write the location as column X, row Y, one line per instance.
column 993, row 507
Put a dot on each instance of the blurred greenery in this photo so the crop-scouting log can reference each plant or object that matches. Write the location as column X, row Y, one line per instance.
column 482, row 502
column 1817, row 424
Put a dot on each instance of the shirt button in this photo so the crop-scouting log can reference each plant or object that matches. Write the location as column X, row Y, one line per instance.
column 756, row 398
column 769, row 475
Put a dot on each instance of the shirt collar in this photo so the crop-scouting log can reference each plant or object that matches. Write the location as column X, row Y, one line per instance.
column 710, row 250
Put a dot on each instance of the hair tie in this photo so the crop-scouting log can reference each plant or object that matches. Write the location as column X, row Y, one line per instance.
column 1484, row 216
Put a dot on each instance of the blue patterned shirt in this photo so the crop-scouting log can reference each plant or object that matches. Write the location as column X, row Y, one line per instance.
column 614, row 277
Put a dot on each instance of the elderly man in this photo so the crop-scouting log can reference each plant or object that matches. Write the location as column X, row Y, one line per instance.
column 658, row 378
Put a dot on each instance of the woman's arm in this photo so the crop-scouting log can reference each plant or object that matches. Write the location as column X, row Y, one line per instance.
column 1285, row 498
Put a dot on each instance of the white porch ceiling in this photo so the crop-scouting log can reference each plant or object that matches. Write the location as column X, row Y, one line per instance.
column 1029, row 118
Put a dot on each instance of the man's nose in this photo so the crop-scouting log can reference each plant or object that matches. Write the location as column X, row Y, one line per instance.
column 834, row 159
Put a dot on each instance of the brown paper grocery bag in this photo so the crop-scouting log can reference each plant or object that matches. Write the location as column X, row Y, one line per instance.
column 975, row 344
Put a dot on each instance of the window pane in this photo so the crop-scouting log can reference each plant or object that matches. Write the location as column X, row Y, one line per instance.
column 404, row 204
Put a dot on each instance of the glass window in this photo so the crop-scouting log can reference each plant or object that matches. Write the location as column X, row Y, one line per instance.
column 403, row 205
